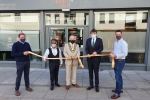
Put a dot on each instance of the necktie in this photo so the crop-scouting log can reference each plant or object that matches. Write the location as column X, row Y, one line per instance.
column 93, row 43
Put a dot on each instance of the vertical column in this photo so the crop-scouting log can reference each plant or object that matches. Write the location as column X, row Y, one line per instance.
column 147, row 51
column 42, row 32
column 91, row 20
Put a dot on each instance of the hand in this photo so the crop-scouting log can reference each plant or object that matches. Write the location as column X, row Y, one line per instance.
column 46, row 59
column 112, row 55
column 25, row 53
column 69, row 57
column 94, row 53
column 76, row 58
column 61, row 65
column 28, row 52
column 88, row 56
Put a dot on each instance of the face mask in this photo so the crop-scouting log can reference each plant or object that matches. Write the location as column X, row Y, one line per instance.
column 72, row 41
column 93, row 36
column 118, row 37
column 53, row 45
column 22, row 40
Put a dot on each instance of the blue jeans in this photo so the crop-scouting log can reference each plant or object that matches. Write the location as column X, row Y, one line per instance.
column 119, row 65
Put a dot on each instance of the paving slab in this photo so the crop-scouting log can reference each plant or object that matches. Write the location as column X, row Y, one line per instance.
column 57, row 93
column 76, row 93
column 138, row 94
column 38, row 92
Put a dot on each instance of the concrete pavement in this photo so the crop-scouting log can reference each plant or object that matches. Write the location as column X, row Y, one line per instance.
column 136, row 86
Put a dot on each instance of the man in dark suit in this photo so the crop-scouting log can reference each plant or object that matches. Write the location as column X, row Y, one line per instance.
column 94, row 45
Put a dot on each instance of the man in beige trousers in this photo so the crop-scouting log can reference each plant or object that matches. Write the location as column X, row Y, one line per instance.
column 71, row 52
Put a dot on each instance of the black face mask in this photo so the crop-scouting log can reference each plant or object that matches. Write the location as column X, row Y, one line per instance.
column 72, row 41
column 22, row 40
column 118, row 37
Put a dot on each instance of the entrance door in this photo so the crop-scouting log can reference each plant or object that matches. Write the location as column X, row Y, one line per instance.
column 61, row 34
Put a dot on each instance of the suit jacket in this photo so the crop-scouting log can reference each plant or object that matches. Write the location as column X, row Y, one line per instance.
column 67, row 52
column 98, row 47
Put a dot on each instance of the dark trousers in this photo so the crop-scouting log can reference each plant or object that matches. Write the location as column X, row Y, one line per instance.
column 22, row 66
column 54, row 70
column 93, row 66
column 119, row 65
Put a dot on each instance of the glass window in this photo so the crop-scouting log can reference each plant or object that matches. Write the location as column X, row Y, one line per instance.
column 144, row 17
column 48, row 19
column 57, row 19
column 102, row 18
column 134, row 33
column 78, row 33
column 11, row 24
column 111, row 18
column 59, row 35
column 71, row 18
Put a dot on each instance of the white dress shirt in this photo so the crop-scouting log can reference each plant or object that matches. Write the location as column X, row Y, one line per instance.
column 92, row 40
column 120, row 49
column 54, row 51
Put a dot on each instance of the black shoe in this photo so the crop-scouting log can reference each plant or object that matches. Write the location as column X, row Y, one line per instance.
column 90, row 87
column 52, row 88
column 97, row 89
column 57, row 85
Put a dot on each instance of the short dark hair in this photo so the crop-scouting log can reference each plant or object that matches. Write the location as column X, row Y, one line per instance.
column 118, row 31
column 21, row 34
column 53, row 40
column 93, row 30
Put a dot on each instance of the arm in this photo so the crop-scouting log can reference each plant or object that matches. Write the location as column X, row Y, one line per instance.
column 87, row 47
column 78, row 52
column 46, row 54
column 65, row 51
column 30, row 48
column 14, row 52
column 100, row 47
column 60, row 56
column 124, row 52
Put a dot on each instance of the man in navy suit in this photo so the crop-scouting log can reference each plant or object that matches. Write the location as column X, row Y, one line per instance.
column 94, row 45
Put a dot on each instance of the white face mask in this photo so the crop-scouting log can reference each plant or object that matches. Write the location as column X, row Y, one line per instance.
column 53, row 45
column 93, row 36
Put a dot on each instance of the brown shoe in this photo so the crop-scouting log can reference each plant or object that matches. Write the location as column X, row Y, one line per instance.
column 115, row 96
column 75, row 85
column 17, row 93
column 67, row 87
column 115, row 91
column 29, row 89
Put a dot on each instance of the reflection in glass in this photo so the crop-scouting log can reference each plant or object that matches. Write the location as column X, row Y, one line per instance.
column 57, row 19
column 48, row 19
column 59, row 35
column 78, row 33
column 111, row 18
column 134, row 27
column 71, row 18
column 102, row 17
column 144, row 17
column 10, row 28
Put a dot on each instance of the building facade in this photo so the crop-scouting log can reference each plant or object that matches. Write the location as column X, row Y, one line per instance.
column 43, row 20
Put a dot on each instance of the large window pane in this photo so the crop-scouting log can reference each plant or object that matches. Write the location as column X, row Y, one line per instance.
column 78, row 33
column 134, row 26
column 11, row 24
column 70, row 18
column 59, row 35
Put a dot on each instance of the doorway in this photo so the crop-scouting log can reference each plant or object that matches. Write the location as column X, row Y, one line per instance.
column 62, row 34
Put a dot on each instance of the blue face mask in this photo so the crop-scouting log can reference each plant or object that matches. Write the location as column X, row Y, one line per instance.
column 93, row 36
column 22, row 40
